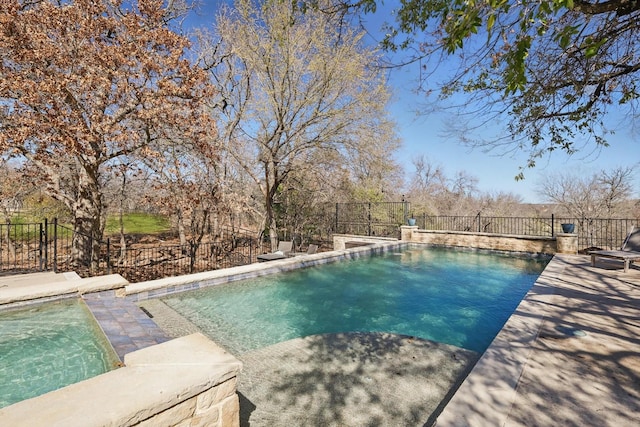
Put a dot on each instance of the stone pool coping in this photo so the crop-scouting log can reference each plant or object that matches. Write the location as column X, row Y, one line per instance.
column 35, row 288
column 162, row 287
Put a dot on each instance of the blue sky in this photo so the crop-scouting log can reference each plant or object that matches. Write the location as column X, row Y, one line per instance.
column 423, row 136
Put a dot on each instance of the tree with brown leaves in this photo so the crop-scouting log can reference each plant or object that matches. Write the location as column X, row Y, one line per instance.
column 84, row 82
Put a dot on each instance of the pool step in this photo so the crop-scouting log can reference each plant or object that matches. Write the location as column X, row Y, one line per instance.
column 126, row 326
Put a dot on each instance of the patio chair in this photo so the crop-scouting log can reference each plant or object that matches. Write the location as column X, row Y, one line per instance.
column 312, row 249
column 629, row 251
column 284, row 250
column 285, row 247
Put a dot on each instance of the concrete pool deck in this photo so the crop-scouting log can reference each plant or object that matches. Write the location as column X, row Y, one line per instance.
column 569, row 355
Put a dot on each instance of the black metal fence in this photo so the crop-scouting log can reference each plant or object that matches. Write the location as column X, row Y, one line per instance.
column 142, row 262
column 371, row 219
column 47, row 246
column 602, row 233
column 385, row 219
column 21, row 247
column 497, row 225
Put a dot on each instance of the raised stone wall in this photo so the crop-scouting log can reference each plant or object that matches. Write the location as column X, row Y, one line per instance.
column 567, row 243
column 189, row 381
column 348, row 241
column 498, row 242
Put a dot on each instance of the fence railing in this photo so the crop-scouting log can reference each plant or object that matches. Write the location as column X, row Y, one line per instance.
column 371, row 219
column 602, row 233
column 146, row 262
column 22, row 247
column 47, row 246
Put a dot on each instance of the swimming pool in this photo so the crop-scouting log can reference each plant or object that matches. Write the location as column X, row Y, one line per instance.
column 49, row 346
column 456, row 297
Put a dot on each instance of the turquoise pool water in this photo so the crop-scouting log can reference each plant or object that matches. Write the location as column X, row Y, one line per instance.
column 455, row 297
column 49, row 346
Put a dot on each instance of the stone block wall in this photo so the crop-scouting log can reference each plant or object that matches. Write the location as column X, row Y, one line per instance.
column 498, row 242
column 347, row 241
column 217, row 407
column 567, row 243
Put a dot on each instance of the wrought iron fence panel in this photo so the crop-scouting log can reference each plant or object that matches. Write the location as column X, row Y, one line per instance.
column 49, row 245
column 21, row 246
column 600, row 233
column 136, row 263
column 371, row 219
column 60, row 247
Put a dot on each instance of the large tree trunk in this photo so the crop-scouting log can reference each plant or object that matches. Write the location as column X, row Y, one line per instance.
column 123, row 239
column 270, row 192
column 88, row 224
column 271, row 222
column 182, row 231
column 273, row 233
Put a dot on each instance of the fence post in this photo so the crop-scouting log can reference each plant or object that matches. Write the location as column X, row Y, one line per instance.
column 40, row 250
column 405, row 211
column 192, row 256
column 108, row 255
column 553, row 225
column 55, row 245
column 369, row 221
column 90, row 255
column 46, row 244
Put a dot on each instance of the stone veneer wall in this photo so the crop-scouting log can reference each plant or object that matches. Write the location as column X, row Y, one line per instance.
column 347, row 241
column 564, row 243
column 189, row 381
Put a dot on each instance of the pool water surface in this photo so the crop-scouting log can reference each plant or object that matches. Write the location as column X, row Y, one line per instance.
column 454, row 297
column 49, row 346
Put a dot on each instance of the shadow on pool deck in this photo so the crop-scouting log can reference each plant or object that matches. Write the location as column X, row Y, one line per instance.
column 350, row 379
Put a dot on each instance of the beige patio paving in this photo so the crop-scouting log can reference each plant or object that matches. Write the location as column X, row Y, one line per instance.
column 569, row 356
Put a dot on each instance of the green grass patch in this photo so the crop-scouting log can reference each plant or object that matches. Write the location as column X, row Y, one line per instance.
column 138, row 223
column 19, row 219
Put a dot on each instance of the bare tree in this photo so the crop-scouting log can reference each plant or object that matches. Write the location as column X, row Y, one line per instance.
column 13, row 190
column 295, row 89
column 187, row 183
column 600, row 195
column 433, row 192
